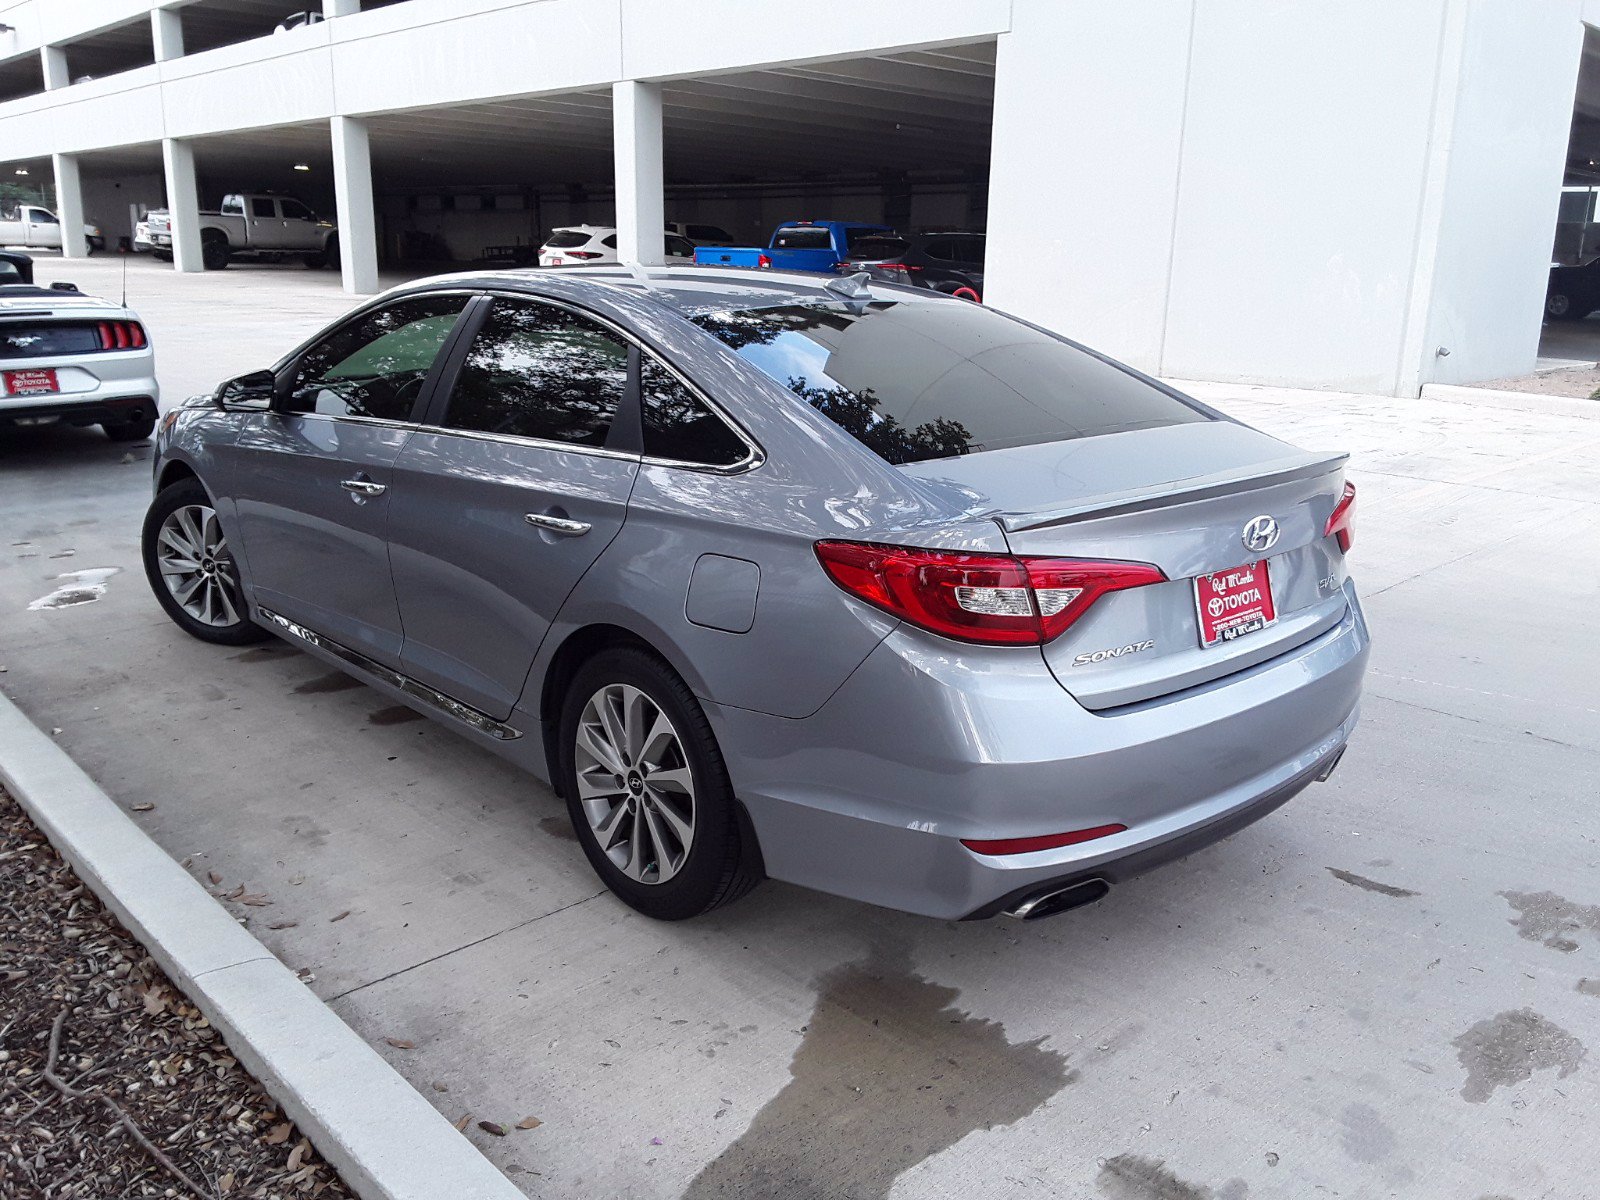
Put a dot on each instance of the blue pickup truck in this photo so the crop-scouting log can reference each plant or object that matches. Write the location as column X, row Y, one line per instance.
column 796, row 246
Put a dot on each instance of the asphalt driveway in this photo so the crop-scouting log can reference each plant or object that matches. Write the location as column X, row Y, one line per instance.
column 1391, row 987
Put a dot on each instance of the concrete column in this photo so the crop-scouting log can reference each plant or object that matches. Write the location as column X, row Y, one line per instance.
column 69, row 205
column 54, row 61
column 357, row 214
column 340, row 8
column 166, row 30
column 636, row 145
column 183, row 201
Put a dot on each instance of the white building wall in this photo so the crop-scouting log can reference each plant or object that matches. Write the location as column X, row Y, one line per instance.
column 1504, row 162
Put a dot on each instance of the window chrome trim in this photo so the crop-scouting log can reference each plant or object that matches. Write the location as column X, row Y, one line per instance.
column 351, row 418
column 757, row 454
column 448, row 705
column 514, row 439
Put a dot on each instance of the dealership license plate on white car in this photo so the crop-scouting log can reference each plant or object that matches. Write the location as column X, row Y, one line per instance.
column 31, row 383
column 1234, row 602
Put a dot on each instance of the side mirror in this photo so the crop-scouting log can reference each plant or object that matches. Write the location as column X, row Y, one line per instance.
column 254, row 389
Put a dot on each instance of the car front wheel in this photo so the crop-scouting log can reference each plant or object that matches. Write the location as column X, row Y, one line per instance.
column 647, row 791
column 192, row 570
column 1558, row 307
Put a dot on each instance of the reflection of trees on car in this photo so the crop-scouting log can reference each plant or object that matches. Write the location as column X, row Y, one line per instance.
column 855, row 413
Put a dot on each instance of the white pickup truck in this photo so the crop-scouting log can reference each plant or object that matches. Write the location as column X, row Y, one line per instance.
column 254, row 226
column 38, row 228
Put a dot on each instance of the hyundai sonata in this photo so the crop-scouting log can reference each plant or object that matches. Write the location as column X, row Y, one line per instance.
column 860, row 587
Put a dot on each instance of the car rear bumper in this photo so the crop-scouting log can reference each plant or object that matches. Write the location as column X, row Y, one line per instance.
column 16, row 411
column 871, row 795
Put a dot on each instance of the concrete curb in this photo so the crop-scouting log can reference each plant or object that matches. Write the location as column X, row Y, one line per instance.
column 384, row 1138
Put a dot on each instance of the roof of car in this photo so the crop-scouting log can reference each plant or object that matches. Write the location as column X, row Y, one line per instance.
column 688, row 289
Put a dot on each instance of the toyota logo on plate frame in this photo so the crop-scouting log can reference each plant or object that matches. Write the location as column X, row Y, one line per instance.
column 1260, row 534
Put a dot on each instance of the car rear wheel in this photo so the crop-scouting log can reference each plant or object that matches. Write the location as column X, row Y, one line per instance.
column 192, row 570
column 136, row 430
column 1558, row 306
column 647, row 791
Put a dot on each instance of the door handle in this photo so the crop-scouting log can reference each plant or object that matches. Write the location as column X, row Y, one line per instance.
column 560, row 525
column 364, row 487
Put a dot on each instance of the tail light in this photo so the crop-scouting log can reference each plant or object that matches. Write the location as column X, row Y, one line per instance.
column 1341, row 522
column 121, row 335
column 990, row 599
column 581, row 253
column 763, row 260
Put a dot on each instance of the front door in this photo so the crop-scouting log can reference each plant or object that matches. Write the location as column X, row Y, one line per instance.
column 506, row 498
column 312, row 483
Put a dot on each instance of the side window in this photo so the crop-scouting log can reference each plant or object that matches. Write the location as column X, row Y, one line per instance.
column 294, row 210
column 609, row 241
column 678, row 425
column 941, row 248
column 537, row 371
column 375, row 366
column 262, row 206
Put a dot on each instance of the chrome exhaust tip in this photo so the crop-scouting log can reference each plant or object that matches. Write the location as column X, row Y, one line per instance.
column 1047, row 902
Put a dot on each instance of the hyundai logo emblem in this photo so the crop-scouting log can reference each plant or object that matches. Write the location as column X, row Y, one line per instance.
column 1260, row 533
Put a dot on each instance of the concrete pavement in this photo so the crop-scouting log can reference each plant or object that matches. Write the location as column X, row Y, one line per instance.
column 1388, row 988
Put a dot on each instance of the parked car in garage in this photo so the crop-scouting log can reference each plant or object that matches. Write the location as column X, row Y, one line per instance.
column 257, row 226
column 949, row 261
column 868, row 590
column 595, row 245
column 71, row 359
column 701, row 235
column 1573, row 292
column 38, row 228
column 795, row 246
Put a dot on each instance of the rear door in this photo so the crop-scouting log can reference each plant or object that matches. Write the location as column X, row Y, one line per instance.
column 311, row 484
column 518, row 480
column 264, row 223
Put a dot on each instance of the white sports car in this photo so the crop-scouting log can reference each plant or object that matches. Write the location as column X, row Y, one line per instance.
column 71, row 359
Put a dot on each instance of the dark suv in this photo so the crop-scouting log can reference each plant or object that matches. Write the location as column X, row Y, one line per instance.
column 946, row 261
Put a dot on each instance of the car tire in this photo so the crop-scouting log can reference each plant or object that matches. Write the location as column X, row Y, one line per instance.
column 1558, row 306
column 315, row 262
column 643, row 823
column 215, row 253
column 136, row 430
column 89, row 247
column 161, row 255
column 330, row 253
column 186, row 510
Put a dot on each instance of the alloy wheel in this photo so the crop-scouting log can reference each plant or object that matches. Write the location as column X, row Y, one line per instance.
column 634, row 783
column 197, row 566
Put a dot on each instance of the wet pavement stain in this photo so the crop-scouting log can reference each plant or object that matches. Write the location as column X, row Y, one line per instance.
column 76, row 587
column 1371, row 885
column 1507, row 1049
column 1549, row 918
column 1365, row 1136
column 1137, row 1177
column 397, row 714
column 260, row 654
column 558, row 827
column 1589, row 987
column 889, row 1073
column 333, row 681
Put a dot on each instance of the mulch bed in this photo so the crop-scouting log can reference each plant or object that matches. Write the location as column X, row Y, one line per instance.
column 111, row 1083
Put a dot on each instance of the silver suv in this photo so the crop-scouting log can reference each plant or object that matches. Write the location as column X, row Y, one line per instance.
column 860, row 587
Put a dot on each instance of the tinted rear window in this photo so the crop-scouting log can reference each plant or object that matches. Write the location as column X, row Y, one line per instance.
column 29, row 341
column 802, row 238
column 563, row 238
column 915, row 381
column 870, row 249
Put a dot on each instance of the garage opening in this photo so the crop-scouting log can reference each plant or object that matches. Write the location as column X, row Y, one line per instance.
column 124, row 47
column 1571, row 335
column 21, row 76
column 898, row 140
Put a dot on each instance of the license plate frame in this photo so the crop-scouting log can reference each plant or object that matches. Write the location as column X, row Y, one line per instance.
column 41, row 381
column 1220, row 617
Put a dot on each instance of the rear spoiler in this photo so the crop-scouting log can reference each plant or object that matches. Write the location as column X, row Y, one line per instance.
column 1186, row 491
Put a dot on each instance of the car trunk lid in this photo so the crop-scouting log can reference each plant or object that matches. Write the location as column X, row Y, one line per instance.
column 1177, row 497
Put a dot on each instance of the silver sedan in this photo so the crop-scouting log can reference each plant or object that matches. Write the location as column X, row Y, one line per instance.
column 864, row 588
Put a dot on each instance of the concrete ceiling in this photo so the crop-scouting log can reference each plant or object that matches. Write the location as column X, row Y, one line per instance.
column 926, row 113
